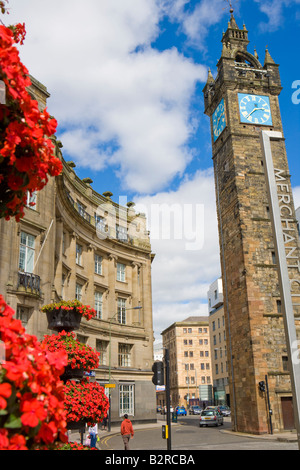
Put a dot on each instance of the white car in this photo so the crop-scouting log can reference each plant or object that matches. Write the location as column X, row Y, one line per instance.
column 210, row 418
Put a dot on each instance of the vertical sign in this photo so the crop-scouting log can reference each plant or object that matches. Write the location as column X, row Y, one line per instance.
column 281, row 216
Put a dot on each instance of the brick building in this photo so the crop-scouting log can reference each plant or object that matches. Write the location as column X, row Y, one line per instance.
column 242, row 101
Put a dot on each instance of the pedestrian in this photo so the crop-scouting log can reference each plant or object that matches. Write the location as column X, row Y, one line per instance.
column 104, row 423
column 126, row 431
column 93, row 433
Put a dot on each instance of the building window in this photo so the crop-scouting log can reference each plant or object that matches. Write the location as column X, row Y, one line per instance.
column 63, row 280
column 98, row 304
column 101, row 347
column 31, row 200
column 78, row 254
column 121, row 233
column 124, row 355
column 285, row 364
column 122, row 311
column 126, row 394
column 99, row 222
column 98, row 264
column 278, row 304
column 78, row 292
column 23, row 314
column 26, row 258
column 121, row 272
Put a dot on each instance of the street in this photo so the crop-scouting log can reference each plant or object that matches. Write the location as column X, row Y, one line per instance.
column 187, row 435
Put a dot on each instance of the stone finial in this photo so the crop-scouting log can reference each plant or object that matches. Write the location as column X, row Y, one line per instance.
column 268, row 58
column 107, row 194
column 210, row 78
column 87, row 180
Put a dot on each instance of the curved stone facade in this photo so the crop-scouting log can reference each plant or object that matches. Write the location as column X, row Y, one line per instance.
column 76, row 243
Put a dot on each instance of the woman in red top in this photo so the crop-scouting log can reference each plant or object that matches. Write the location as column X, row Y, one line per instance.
column 126, row 431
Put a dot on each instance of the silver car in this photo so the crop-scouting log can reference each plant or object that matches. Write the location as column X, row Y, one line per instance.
column 210, row 418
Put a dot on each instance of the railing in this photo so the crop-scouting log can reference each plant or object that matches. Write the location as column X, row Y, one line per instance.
column 29, row 281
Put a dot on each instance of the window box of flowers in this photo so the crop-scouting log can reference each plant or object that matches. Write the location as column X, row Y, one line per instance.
column 67, row 315
column 81, row 357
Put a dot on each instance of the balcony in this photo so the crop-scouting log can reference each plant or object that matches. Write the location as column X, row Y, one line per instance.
column 30, row 282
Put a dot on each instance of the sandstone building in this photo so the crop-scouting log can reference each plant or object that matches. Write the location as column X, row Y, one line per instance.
column 218, row 344
column 76, row 243
column 242, row 101
column 188, row 343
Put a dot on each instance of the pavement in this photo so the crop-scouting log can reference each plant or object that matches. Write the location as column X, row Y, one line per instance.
column 287, row 436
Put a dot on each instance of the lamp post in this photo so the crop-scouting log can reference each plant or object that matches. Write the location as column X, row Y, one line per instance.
column 109, row 360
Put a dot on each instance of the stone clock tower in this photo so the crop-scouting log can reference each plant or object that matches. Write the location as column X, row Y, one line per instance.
column 242, row 101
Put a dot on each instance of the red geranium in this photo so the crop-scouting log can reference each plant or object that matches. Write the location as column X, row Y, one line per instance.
column 86, row 401
column 80, row 356
column 85, row 311
column 26, row 151
column 31, row 392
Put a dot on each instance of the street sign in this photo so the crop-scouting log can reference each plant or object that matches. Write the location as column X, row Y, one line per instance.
column 110, row 385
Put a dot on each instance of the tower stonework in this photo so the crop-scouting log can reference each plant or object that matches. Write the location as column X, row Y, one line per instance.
column 242, row 101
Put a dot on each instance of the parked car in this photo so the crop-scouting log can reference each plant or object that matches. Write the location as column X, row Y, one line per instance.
column 216, row 408
column 164, row 410
column 195, row 410
column 225, row 410
column 181, row 411
column 210, row 418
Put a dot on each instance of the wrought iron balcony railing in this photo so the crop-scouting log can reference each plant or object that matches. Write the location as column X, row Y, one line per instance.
column 30, row 282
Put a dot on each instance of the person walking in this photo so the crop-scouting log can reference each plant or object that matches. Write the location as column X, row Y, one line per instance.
column 126, row 431
column 93, row 433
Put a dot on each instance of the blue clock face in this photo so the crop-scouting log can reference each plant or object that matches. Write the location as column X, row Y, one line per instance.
column 219, row 120
column 255, row 109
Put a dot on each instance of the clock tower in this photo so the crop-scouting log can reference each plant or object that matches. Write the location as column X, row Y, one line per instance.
column 242, row 102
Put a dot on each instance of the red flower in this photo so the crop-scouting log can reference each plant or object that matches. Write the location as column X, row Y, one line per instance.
column 5, row 392
column 31, row 392
column 32, row 411
column 25, row 146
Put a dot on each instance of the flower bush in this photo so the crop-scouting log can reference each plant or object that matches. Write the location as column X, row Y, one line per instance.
column 74, row 446
column 80, row 356
column 32, row 412
column 26, row 151
column 85, row 310
column 85, row 401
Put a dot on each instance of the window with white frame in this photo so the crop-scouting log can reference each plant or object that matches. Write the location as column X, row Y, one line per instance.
column 98, row 264
column 26, row 257
column 101, row 347
column 122, row 311
column 126, row 395
column 99, row 222
column 124, row 354
column 31, row 200
column 121, row 232
column 78, row 253
column 121, row 272
column 98, row 304
column 78, row 292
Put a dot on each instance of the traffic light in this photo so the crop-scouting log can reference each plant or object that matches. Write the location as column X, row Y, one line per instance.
column 262, row 386
column 158, row 376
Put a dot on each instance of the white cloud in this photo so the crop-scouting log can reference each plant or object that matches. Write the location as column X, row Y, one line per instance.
column 116, row 99
column 274, row 9
column 196, row 21
column 180, row 275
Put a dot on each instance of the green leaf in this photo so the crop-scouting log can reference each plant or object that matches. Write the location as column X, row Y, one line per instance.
column 13, row 422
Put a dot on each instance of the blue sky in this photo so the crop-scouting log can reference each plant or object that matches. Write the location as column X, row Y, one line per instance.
column 126, row 80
